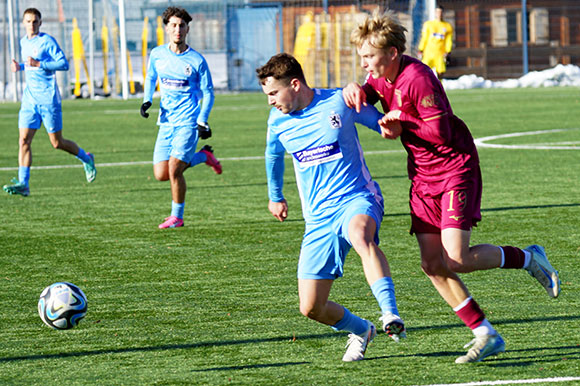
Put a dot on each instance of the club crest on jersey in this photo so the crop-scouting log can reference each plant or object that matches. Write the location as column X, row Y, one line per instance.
column 335, row 121
column 35, row 52
column 430, row 100
column 188, row 70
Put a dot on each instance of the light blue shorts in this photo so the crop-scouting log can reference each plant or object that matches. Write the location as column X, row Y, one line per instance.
column 326, row 243
column 177, row 142
column 31, row 116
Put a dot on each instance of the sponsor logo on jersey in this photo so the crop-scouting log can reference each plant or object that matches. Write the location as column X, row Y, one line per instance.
column 318, row 155
column 174, row 83
column 335, row 121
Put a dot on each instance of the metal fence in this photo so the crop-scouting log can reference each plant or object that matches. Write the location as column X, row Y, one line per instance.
column 236, row 36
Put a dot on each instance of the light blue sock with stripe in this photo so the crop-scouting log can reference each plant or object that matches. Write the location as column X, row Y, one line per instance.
column 384, row 291
column 351, row 323
column 24, row 175
column 177, row 209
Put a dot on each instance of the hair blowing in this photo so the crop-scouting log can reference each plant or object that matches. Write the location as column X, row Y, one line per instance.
column 381, row 31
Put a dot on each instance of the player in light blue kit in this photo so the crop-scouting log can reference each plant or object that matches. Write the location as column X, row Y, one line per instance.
column 186, row 101
column 41, row 101
column 341, row 204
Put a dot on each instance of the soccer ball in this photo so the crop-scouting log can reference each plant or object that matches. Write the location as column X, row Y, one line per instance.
column 62, row 305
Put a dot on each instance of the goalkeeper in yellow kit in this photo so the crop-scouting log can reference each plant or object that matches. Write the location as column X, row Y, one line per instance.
column 436, row 42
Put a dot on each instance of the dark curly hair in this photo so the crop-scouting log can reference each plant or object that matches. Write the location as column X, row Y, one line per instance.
column 178, row 12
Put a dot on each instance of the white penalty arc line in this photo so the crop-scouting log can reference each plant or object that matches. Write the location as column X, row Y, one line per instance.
column 513, row 382
column 481, row 142
column 108, row 164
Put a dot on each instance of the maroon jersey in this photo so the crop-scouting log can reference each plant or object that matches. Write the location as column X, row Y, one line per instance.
column 439, row 145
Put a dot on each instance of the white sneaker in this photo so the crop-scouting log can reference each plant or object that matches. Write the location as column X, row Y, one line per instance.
column 483, row 346
column 393, row 326
column 541, row 269
column 357, row 344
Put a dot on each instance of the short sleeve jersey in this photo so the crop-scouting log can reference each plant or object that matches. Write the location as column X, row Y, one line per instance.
column 328, row 160
column 436, row 149
column 41, row 87
column 183, row 80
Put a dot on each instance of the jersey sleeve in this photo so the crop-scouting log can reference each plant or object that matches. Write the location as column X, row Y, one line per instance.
column 150, row 79
column 206, row 87
column 57, row 61
column 369, row 116
column 274, row 166
column 432, row 123
column 424, row 37
column 449, row 38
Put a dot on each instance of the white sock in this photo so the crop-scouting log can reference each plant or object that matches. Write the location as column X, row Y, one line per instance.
column 502, row 257
column 485, row 328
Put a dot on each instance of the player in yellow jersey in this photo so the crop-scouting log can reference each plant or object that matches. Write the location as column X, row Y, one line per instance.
column 436, row 42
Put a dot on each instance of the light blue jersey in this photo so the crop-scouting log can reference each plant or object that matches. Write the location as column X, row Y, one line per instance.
column 328, row 160
column 184, row 80
column 41, row 87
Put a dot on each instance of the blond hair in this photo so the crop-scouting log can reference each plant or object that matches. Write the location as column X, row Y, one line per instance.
column 381, row 31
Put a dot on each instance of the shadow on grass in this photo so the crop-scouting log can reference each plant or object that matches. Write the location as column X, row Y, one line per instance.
column 165, row 347
column 246, row 367
column 504, row 208
column 527, row 356
column 287, row 339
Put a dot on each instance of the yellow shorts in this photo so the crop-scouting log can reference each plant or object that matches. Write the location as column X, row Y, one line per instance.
column 437, row 62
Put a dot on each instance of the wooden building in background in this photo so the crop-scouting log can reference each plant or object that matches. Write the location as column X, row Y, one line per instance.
column 488, row 38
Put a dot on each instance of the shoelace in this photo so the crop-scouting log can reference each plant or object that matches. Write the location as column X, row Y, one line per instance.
column 473, row 341
column 352, row 338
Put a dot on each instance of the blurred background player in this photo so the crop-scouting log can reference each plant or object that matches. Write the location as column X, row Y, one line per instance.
column 184, row 77
column 443, row 167
column 41, row 102
column 342, row 205
column 436, row 42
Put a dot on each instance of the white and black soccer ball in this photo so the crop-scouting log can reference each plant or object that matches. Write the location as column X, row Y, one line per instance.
column 62, row 305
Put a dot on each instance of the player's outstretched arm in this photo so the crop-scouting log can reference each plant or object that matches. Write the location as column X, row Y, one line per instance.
column 278, row 209
column 354, row 96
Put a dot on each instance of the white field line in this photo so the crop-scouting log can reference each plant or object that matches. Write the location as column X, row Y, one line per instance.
column 482, row 142
column 512, row 382
column 154, row 110
column 109, row 164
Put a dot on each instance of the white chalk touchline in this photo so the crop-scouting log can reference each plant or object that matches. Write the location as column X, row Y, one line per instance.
column 108, row 164
column 481, row 142
column 512, row 382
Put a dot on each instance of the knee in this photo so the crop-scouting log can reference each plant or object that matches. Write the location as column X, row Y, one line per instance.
column 360, row 240
column 56, row 144
column 174, row 173
column 458, row 263
column 24, row 142
column 161, row 175
column 310, row 310
column 434, row 267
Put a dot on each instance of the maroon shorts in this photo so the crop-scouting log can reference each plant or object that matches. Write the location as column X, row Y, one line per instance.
column 452, row 203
